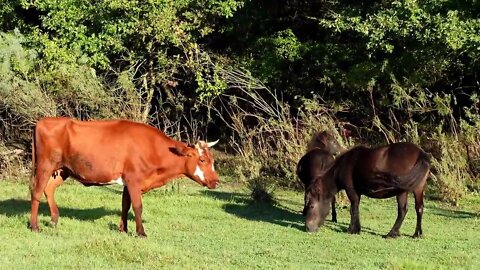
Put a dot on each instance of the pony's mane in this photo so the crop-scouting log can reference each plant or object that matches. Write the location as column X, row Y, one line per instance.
column 333, row 169
column 313, row 143
column 342, row 156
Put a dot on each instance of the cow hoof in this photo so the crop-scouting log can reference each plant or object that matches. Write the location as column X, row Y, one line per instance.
column 35, row 228
column 53, row 224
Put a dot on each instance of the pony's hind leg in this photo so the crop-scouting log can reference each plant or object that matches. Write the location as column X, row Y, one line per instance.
column 402, row 211
column 354, row 198
column 418, row 193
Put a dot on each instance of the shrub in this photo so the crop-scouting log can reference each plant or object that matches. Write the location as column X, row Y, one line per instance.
column 261, row 189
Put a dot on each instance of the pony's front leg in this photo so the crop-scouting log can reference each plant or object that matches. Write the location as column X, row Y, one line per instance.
column 334, row 211
column 354, row 198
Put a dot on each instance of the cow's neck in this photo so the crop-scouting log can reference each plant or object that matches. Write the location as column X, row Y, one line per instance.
column 172, row 167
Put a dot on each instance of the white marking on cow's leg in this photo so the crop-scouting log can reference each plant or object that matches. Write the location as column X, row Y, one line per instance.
column 198, row 172
column 213, row 168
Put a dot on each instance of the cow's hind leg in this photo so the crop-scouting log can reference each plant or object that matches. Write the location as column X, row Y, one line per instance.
column 126, row 202
column 53, row 182
column 39, row 182
column 402, row 211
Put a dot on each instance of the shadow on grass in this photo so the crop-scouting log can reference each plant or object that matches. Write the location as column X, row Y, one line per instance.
column 242, row 206
column 228, row 196
column 342, row 227
column 16, row 207
column 452, row 213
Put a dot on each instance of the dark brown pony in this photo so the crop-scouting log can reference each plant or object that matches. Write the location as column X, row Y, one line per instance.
column 326, row 141
column 382, row 172
column 321, row 150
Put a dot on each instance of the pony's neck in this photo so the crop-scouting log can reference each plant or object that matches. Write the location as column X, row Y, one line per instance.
column 331, row 182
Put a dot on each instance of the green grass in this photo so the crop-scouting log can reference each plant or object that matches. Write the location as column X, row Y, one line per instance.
column 189, row 227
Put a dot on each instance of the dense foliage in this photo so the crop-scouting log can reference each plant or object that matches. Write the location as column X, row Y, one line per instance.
column 371, row 71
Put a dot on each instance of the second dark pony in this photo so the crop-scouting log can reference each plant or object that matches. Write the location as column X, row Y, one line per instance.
column 320, row 154
column 382, row 172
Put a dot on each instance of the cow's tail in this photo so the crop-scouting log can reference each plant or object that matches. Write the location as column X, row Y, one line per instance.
column 34, row 168
column 413, row 178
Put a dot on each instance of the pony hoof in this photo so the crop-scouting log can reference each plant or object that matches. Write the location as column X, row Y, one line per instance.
column 122, row 229
column 417, row 235
column 392, row 235
column 142, row 235
column 353, row 231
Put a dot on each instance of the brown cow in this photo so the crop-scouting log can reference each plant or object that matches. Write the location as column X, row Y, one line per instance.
column 135, row 155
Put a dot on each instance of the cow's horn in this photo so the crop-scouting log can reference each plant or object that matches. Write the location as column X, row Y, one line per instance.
column 210, row 144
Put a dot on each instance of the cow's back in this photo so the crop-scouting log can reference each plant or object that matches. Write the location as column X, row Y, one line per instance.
column 98, row 150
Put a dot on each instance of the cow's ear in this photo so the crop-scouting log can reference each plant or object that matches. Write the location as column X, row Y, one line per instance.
column 181, row 150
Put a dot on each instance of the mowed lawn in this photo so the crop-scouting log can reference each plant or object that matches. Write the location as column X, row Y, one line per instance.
column 189, row 227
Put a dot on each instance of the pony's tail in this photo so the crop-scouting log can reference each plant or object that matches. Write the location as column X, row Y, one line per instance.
column 34, row 169
column 411, row 180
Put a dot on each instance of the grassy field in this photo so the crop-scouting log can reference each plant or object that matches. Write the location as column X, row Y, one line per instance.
column 189, row 227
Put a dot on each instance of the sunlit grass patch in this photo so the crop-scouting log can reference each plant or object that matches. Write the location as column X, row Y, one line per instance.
column 190, row 227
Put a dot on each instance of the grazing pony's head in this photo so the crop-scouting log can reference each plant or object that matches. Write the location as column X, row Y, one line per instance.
column 326, row 141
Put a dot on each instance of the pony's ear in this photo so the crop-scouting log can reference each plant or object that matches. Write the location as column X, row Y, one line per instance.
column 181, row 150
column 320, row 142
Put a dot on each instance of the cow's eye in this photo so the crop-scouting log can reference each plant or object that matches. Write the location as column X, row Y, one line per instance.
column 202, row 160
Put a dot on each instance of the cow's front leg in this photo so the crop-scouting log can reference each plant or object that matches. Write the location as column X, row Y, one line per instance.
column 136, row 199
column 126, row 202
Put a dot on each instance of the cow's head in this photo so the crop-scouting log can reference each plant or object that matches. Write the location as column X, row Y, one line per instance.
column 199, row 163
